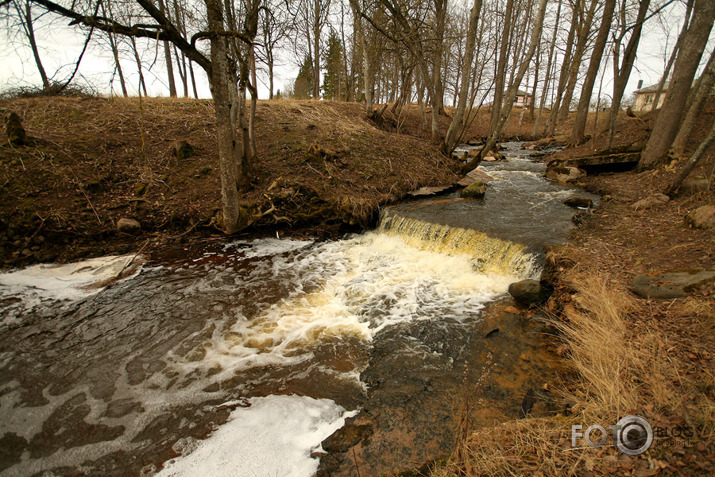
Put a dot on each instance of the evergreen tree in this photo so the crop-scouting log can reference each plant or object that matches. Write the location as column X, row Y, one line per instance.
column 303, row 88
column 333, row 87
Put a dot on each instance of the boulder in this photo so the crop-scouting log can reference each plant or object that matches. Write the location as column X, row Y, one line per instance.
column 702, row 217
column 474, row 191
column 473, row 176
column 182, row 150
column 673, row 284
column 528, row 292
column 128, row 226
column 651, row 201
column 565, row 174
column 579, row 202
column 493, row 156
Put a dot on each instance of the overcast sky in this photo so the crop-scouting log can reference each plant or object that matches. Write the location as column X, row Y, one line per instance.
column 60, row 46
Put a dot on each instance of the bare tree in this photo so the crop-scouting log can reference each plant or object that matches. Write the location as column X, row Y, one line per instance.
column 450, row 140
column 697, row 99
column 27, row 24
column 594, row 65
column 511, row 92
column 667, row 122
column 549, row 74
column 234, row 148
column 685, row 171
column 622, row 70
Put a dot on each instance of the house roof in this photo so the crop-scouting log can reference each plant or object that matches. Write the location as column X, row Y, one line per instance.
column 522, row 93
column 651, row 89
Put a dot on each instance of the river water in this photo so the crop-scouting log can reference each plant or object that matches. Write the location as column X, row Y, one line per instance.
column 267, row 346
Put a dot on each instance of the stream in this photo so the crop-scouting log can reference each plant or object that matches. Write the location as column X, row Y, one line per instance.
column 242, row 358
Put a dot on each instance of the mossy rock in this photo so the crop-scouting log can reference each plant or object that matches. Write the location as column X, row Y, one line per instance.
column 474, row 191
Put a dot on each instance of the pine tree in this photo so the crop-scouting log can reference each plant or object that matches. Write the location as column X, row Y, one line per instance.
column 303, row 88
column 333, row 87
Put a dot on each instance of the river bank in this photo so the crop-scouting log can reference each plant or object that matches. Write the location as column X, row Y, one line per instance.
column 623, row 354
column 323, row 169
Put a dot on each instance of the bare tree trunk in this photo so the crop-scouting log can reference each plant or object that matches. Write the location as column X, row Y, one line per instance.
column 583, row 34
column 115, row 51
column 563, row 75
column 167, row 57
column 181, row 67
column 624, row 72
column 501, row 67
column 367, row 77
column 702, row 92
column 547, row 81
column 137, row 58
column 252, row 88
column 450, row 139
column 692, row 162
column 193, row 79
column 532, row 105
column 222, row 84
column 437, row 90
column 28, row 26
column 673, row 55
column 667, row 122
column 594, row 66
column 511, row 92
column 420, row 101
column 316, row 48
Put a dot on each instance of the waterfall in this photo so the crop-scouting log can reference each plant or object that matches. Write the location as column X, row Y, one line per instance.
column 488, row 255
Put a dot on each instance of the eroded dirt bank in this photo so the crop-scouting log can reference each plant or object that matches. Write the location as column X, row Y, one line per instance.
column 323, row 169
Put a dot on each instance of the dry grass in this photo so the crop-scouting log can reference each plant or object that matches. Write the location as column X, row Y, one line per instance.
column 620, row 369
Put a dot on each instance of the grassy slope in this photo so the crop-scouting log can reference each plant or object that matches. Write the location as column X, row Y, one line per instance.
column 97, row 160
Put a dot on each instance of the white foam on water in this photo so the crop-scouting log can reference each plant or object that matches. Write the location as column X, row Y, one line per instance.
column 267, row 247
column 366, row 284
column 273, row 437
column 72, row 281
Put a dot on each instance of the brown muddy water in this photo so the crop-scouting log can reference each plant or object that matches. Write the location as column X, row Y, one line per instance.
column 269, row 348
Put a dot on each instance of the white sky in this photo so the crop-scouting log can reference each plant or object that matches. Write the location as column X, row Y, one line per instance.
column 60, row 45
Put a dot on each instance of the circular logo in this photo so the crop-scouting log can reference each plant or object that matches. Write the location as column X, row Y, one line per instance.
column 634, row 435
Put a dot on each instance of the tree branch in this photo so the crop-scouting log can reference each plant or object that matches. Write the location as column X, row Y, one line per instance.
column 164, row 31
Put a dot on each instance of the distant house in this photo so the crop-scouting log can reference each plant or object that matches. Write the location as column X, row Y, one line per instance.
column 646, row 96
column 523, row 99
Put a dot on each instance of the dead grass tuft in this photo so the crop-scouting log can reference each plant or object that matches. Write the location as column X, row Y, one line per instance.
column 620, row 371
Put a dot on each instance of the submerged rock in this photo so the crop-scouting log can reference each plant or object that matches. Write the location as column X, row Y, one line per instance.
column 673, row 284
column 474, row 191
column 702, row 217
column 528, row 292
